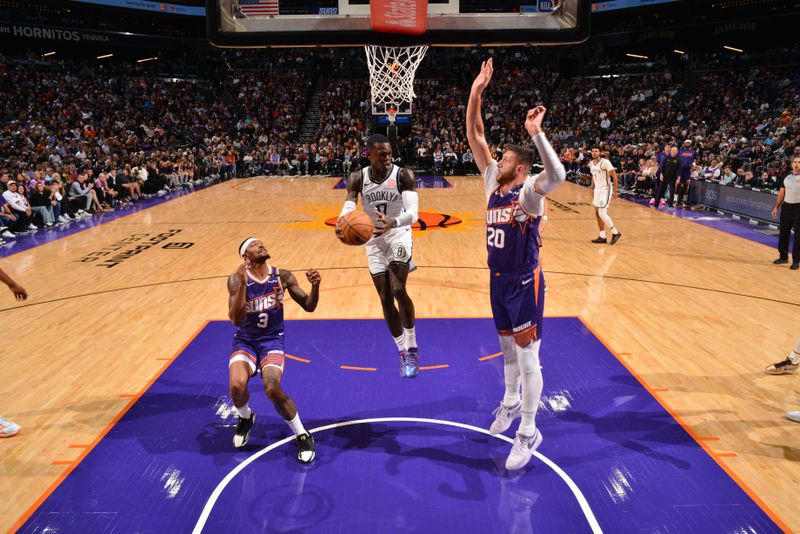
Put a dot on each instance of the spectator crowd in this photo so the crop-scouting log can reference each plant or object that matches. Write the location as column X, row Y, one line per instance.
column 79, row 141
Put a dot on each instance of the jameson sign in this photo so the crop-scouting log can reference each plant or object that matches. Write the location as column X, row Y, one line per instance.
column 50, row 33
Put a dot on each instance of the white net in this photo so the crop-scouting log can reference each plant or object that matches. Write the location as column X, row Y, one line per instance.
column 391, row 76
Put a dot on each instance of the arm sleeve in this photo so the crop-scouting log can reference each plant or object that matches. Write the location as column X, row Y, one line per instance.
column 411, row 205
column 531, row 201
column 349, row 206
column 490, row 178
column 554, row 173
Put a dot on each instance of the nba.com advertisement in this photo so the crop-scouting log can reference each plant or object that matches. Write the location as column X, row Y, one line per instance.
column 749, row 202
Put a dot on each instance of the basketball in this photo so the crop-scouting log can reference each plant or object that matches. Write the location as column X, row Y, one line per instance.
column 355, row 228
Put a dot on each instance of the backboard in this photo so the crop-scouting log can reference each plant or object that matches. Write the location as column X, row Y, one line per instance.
column 292, row 23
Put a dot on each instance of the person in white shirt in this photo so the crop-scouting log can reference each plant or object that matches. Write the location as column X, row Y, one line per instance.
column 19, row 208
column 603, row 173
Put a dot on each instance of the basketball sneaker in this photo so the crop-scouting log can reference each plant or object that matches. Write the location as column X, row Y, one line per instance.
column 503, row 417
column 652, row 202
column 403, row 360
column 781, row 261
column 412, row 363
column 782, row 367
column 599, row 240
column 615, row 237
column 793, row 416
column 662, row 203
column 243, row 429
column 8, row 429
column 522, row 450
column 795, row 266
column 306, row 451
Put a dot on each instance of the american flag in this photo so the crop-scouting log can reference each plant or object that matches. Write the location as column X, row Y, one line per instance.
column 256, row 8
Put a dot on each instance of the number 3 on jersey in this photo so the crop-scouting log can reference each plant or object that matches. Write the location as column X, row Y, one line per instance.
column 263, row 319
column 496, row 237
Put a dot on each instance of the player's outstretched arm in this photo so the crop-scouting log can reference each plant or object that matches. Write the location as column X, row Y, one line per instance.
column 307, row 301
column 237, row 294
column 475, row 133
column 553, row 175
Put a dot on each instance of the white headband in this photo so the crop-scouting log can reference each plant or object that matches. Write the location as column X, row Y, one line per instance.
column 246, row 244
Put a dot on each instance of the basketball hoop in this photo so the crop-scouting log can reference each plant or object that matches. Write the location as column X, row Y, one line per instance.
column 391, row 76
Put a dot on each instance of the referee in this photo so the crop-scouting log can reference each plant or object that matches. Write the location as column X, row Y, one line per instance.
column 789, row 197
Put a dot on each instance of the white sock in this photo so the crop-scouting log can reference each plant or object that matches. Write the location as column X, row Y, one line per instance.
column 296, row 425
column 512, row 377
column 614, row 231
column 795, row 354
column 602, row 234
column 411, row 337
column 244, row 411
column 400, row 342
column 532, row 385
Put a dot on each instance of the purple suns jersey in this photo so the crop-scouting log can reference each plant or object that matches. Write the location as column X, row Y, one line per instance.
column 264, row 307
column 687, row 156
column 512, row 235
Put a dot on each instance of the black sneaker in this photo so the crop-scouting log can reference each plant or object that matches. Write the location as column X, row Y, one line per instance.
column 794, row 266
column 243, row 430
column 305, row 448
column 615, row 238
column 781, row 261
column 598, row 240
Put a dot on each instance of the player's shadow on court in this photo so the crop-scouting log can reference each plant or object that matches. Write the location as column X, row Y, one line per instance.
column 403, row 442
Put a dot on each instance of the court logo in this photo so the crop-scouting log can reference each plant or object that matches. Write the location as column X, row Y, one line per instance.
column 178, row 245
column 126, row 248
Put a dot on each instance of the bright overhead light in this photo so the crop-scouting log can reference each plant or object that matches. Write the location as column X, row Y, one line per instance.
column 104, row 56
column 48, row 54
column 732, row 49
column 146, row 59
column 681, row 52
column 637, row 56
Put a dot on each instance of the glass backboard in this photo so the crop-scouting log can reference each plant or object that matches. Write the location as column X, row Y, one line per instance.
column 262, row 23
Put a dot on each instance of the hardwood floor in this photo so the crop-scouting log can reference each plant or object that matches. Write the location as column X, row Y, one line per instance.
column 695, row 313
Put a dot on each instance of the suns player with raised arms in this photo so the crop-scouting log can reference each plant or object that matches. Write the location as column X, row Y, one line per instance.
column 389, row 197
column 255, row 305
column 515, row 206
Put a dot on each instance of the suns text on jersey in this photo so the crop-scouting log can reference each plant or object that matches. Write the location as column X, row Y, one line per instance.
column 265, row 302
column 500, row 215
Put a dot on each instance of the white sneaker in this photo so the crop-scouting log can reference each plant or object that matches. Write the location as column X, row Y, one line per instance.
column 503, row 417
column 793, row 416
column 8, row 235
column 8, row 429
column 522, row 450
column 32, row 227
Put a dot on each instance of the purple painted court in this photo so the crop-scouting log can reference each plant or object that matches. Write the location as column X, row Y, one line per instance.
column 612, row 459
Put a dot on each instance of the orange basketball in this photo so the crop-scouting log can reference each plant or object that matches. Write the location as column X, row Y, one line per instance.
column 355, row 228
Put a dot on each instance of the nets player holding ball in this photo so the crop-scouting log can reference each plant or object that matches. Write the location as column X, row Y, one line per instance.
column 389, row 196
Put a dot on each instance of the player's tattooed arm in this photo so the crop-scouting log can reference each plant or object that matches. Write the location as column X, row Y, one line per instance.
column 237, row 294
column 353, row 189
column 307, row 301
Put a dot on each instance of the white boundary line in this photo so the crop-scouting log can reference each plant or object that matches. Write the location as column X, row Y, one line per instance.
column 212, row 500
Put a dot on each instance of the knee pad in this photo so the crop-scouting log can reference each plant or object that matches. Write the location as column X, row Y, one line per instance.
column 528, row 357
